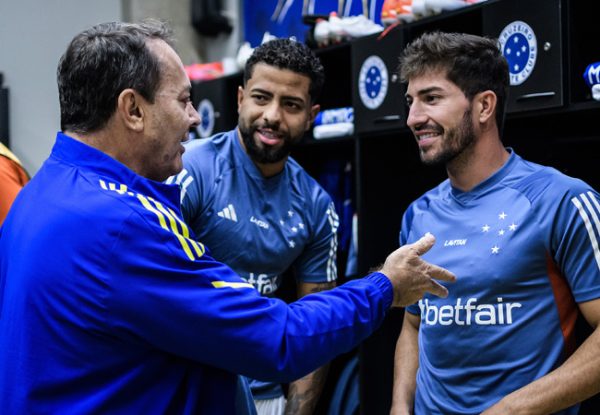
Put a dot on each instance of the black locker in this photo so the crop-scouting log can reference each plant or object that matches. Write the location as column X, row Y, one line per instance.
column 377, row 95
column 530, row 35
column 216, row 102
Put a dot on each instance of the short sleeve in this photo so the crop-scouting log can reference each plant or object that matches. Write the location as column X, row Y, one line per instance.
column 575, row 240
column 318, row 261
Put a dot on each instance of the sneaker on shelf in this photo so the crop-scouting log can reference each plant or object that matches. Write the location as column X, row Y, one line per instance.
column 439, row 6
column 419, row 9
column 351, row 27
column 402, row 11
column 389, row 12
column 243, row 54
column 322, row 32
column 246, row 50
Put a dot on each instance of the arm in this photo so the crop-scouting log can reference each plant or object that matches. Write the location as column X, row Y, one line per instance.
column 406, row 363
column 303, row 394
column 191, row 306
column 574, row 381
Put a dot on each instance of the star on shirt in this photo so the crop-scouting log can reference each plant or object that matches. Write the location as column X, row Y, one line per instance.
column 301, row 225
column 501, row 232
column 281, row 222
column 292, row 244
column 485, row 228
column 502, row 216
column 290, row 213
column 294, row 229
column 495, row 249
column 512, row 227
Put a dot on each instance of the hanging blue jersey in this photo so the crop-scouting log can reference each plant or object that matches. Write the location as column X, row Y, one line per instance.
column 524, row 247
column 259, row 226
column 108, row 304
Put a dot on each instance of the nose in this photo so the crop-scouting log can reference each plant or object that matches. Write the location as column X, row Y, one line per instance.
column 416, row 115
column 194, row 116
column 272, row 113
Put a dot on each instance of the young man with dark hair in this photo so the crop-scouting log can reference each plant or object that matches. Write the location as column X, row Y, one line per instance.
column 244, row 183
column 522, row 239
column 108, row 303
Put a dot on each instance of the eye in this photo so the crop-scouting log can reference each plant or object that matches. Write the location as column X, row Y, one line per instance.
column 293, row 106
column 432, row 99
column 259, row 98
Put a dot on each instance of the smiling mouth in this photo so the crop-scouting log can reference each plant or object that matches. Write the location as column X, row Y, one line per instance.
column 269, row 137
column 427, row 136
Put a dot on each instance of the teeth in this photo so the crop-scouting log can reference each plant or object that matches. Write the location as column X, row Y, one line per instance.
column 424, row 136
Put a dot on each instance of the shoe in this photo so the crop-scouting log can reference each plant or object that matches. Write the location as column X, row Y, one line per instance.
column 321, row 32
column 389, row 12
column 245, row 51
column 352, row 27
column 394, row 11
column 439, row 6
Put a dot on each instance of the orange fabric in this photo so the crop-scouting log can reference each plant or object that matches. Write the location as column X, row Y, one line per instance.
column 12, row 178
column 567, row 308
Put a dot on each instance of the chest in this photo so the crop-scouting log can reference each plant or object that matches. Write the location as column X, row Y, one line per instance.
column 493, row 246
column 259, row 219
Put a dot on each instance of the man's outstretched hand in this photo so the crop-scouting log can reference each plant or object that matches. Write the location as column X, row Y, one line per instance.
column 411, row 276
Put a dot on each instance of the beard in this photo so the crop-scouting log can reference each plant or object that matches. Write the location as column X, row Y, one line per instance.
column 264, row 154
column 456, row 141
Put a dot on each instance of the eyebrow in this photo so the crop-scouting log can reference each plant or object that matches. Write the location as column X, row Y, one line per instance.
column 286, row 97
column 425, row 91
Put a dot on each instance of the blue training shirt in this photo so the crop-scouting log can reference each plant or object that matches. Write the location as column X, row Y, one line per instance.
column 271, row 224
column 524, row 247
column 259, row 226
column 109, row 305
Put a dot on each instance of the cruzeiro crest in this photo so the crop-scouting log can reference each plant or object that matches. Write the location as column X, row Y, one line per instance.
column 373, row 82
column 207, row 118
column 519, row 47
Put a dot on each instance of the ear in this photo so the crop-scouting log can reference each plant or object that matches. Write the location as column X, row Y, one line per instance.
column 486, row 102
column 314, row 110
column 240, row 97
column 130, row 108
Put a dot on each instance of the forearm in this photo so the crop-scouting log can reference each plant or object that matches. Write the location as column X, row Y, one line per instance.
column 406, row 363
column 304, row 393
column 574, row 381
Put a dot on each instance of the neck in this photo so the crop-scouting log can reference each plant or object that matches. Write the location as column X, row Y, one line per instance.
column 107, row 140
column 474, row 165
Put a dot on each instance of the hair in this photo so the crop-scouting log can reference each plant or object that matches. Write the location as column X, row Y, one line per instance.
column 291, row 55
column 474, row 63
column 99, row 64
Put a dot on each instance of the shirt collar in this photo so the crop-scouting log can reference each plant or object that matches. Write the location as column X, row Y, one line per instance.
column 94, row 161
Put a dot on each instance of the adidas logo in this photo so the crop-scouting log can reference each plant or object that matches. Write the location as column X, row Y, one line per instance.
column 228, row 213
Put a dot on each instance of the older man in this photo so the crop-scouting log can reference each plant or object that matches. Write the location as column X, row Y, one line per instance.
column 111, row 305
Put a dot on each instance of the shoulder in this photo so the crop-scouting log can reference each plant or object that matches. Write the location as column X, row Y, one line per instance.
column 206, row 158
column 538, row 183
column 305, row 186
column 198, row 150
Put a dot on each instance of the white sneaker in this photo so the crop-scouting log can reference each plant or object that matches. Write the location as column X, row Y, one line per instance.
column 322, row 32
column 596, row 92
column 438, row 6
column 243, row 54
column 351, row 27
